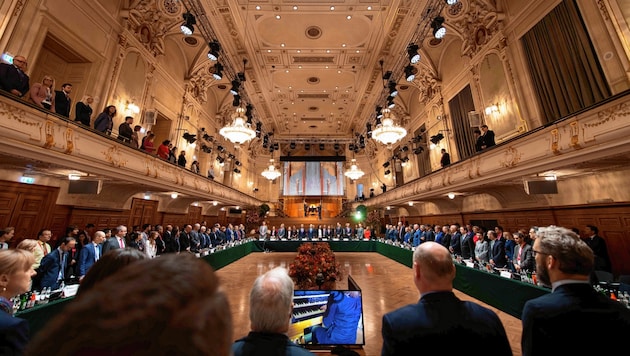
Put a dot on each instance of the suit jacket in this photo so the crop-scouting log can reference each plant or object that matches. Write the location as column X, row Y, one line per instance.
column 456, row 243
column 83, row 113
column 14, row 335
column 497, row 253
column 10, row 79
column 467, row 246
column 103, row 123
column 257, row 343
column 598, row 245
column 87, row 257
column 488, row 138
column 571, row 319
column 438, row 320
column 48, row 270
column 527, row 262
column 111, row 244
column 62, row 103
column 125, row 132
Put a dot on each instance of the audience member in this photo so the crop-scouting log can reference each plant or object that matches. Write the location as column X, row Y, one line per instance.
column 478, row 140
column 125, row 131
column 139, row 312
column 555, row 323
column 107, row 265
column 270, row 310
column 16, row 271
column 5, row 236
column 497, row 250
column 28, row 245
column 523, row 254
column 43, row 247
column 52, row 270
column 487, row 137
column 42, row 94
column 150, row 246
column 194, row 167
column 482, row 249
column 90, row 254
column 105, row 121
column 181, row 160
column 62, row 100
column 135, row 136
column 341, row 319
column 172, row 155
column 440, row 318
column 83, row 110
column 117, row 241
column 147, row 143
column 163, row 150
column 598, row 245
column 446, row 158
column 13, row 77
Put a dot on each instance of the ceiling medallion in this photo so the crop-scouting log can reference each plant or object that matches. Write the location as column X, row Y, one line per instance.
column 312, row 80
column 192, row 41
column 313, row 32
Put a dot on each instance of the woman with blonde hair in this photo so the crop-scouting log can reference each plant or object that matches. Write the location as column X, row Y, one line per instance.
column 43, row 94
column 83, row 110
column 16, row 271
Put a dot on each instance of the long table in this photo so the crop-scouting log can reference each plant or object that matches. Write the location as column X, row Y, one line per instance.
column 505, row 294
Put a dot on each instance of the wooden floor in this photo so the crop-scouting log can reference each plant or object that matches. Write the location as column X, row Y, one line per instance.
column 386, row 285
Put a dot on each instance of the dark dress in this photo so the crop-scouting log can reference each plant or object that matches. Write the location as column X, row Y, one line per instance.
column 83, row 113
column 14, row 332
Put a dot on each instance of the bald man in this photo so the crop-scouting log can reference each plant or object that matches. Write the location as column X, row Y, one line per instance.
column 440, row 319
column 13, row 77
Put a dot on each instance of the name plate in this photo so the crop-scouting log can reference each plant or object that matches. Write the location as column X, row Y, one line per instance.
column 324, row 239
column 366, row 239
column 335, row 239
column 346, row 239
column 470, row 264
column 284, row 239
column 506, row 274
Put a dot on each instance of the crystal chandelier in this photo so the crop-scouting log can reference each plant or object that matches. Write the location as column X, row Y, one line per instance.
column 354, row 173
column 388, row 132
column 271, row 173
column 239, row 131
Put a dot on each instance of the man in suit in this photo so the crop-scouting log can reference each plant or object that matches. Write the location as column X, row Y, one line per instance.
column 262, row 230
column 90, row 253
column 125, row 132
column 523, row 254
column 497, row 250
column 456, row 240
column 311, row 233
column 116, row 241
column 598, row 245
column 487, row 136
column 51, row 271
column 555, row 324
column 62, row 100
column 282, row 232
column 13, row 77
column 446, row 158
column 440, row 318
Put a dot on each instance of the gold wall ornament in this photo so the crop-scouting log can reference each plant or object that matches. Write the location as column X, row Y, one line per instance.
column 69, row 141
column 611, row 114
column 555, row 141
column 14, row 113
column 511, row 158
column 49, row 133
column 114, row 156
column 575, row 135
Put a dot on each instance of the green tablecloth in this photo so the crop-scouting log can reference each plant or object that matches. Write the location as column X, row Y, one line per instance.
column 505, row 294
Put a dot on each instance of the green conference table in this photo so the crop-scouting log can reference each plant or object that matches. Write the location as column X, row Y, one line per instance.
column 505, row 294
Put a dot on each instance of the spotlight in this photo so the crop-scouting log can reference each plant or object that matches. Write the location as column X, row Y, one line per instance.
column 258, row 129
column 218, row 71
column 387, row 75
column 417, row 139
column 392, row 89
column 231, row 156
column 438, row 27
column 379, row 112
column 221, row 148
column 451, row 2
column 435, row 139
column 187, row 27
column 321, row 147
column 412, row 51
column 236, row 85
column 208, row 137
column 404, row 149
column 390, row 102
column 236, row 170
column 307, row 146
column 351, row 147
column 190, row 138
column 336, row 146
column 220, row 159
column 387, row 172
column 238, row 163
column 418, row 150
column 292, row 145
column 276, row 146
column 386, row 164
column 236, row 101
column 410, row 73
column 213, row 53
column 368, row 128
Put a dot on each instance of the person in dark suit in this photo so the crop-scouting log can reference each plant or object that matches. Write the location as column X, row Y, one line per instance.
column 16, row 271
column 62, row 100
column 125, row 131
column 555, row 323
column 497, row 250
column 90, row 253
column 13, row 77
column 52, row 270
column 83, row 110
column 478, row 140
column 440, row 318
column 523, row 255
column 446, row 158
column 487, row 136
column 117, row 241
column 598, row 245
column 271, row 305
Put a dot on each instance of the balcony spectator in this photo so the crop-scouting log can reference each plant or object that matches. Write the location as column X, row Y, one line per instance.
column 83, row 110
column 172, row 155
column 163, row 150
column 487, row 137
column 148, row 145
column 194, row 167
column 105, row 120
column 135, row 136
column 181, row 160
column 63, row 101
column 13, row 77
column 125, row 131
column 446, row 158
column 42, row 94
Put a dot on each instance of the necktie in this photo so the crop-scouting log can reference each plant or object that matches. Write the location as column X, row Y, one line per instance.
column 120, row 241
column 96, row 253
column 63, row 266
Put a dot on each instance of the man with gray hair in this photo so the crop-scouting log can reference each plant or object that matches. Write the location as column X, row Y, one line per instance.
column 574, row 317
column 270, row 311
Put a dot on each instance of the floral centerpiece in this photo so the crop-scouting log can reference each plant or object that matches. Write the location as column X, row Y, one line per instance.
column 315, row 267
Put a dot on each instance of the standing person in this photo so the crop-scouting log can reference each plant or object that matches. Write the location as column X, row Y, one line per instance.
column 598, row 245
column 16, row 271
column 478, row 140
column 105, row 121
column 90, row 254
column 42, row 94
column 440, row 318
column 172, row 155
column 487, row 137
column 194, row 167
column 565, row 262
column 481, row 248
column 43, row 248
column 147, row 143
column 125, row 131
column 262, row 230
column 52, row 270
column 181, row 160
column 270, row 309
column 5, row 237
column 13, row 77
column 83, row 110
column 446, row 158
column 163, row 150
column 523, row 254
column 62, row 100
column 117, row 241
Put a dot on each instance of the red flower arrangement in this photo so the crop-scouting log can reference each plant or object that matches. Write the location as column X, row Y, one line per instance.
column 313, row 259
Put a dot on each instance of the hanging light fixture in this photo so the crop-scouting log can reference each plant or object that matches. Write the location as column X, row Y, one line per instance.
column 388, row 132
column 354, row 172
column 187, row 27
column 239, row 131
column 271, row 173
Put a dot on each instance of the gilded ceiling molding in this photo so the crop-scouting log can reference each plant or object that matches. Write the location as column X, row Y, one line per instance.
column 474, row 167
column 512, row 157
column 476, row 26
column 19, row 5
column 603, row 10
column 200, row 81
column 11, row 112
column 428, row 82
column 555, row 141
column 618, row 111
column 115, row 156
column 152, row 168
column 150, row 25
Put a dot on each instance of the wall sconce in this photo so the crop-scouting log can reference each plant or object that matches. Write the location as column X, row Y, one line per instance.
column 133, row 108
column 492, row 109
column 451, row 195
column 74, row 176
column 174, row 195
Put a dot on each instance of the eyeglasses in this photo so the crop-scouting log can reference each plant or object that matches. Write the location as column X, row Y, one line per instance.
column 19, row 60
column 534, row 253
